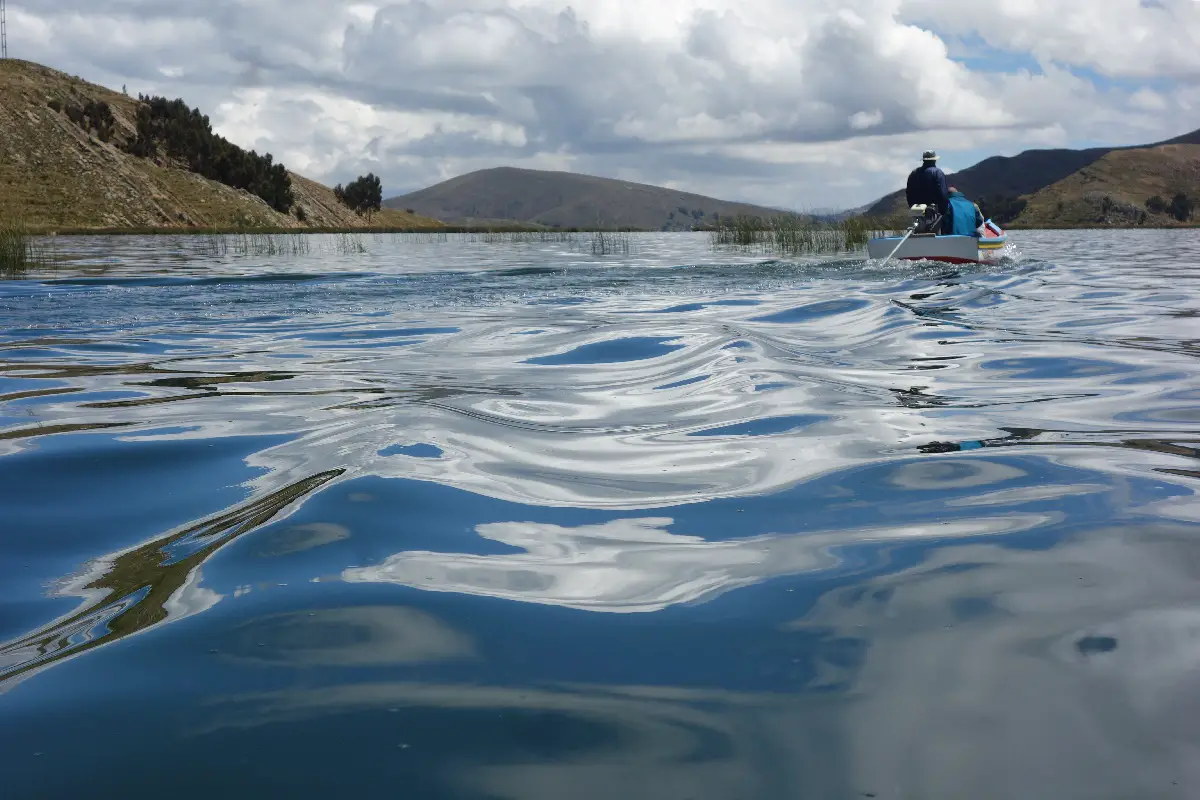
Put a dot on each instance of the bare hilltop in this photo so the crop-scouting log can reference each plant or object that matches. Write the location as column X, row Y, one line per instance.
column 555, row 199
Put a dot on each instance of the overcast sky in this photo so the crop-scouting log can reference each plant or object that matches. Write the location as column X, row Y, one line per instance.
column 798, row 103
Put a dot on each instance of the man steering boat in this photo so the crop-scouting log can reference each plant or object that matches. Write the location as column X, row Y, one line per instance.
column 927, row 187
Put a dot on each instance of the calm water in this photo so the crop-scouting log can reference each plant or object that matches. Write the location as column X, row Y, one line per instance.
column 466, row 520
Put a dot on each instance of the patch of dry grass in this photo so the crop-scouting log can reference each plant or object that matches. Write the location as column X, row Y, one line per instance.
column 1113, row 190
column 56, row 176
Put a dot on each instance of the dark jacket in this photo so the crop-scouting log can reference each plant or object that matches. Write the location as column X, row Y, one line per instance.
column 927, row 184
column 963, row 218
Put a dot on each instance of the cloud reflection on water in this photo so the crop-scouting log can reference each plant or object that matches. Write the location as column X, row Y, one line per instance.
column 636, row 565
column 987, row 671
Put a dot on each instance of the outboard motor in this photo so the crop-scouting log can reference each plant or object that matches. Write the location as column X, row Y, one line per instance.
column 926, row 218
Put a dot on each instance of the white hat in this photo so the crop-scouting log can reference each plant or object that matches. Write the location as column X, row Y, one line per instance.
column 929, row 155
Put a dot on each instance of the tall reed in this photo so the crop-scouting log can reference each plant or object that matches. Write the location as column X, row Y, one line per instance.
column 606, row 243
column 790, row 234
column 254, row 244
column 518, row 237
column 348, row 244
column 20, row 251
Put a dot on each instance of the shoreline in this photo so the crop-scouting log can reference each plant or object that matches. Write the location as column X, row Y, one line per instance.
column 50, row 232
column 271, row 231
column 1182, row 226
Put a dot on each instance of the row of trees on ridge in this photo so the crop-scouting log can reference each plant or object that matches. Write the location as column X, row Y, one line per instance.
column 173, row 129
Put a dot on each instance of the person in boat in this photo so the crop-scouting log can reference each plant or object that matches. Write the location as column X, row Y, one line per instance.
column 927, row 186
column 963, row 217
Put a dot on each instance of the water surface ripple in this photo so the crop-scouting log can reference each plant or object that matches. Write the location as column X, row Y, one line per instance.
column 487, row 520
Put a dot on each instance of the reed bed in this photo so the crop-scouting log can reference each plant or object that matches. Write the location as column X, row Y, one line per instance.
column 788, row 234
column 254, row 244
column 218, row 245
column 20, row 251
column 609, row 243
column 349, row 244
column 521, row 237
column 599, row 242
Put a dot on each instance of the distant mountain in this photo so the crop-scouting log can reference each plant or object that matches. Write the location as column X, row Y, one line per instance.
column 1007, row 186
column 67, row 160
column 838, row 215
column 566, row 200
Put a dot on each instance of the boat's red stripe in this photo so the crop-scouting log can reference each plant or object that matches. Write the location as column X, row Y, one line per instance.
column 947, row 259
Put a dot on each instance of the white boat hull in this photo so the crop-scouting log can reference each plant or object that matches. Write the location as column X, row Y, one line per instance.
column 951, row 249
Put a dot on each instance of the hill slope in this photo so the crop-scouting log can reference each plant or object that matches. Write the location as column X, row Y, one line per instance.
column 1001, row 181
column 566, row 200
column 54, row 174
column 1114, row 189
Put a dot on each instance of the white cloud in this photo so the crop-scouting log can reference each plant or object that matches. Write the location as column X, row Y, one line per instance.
column 862, row 120
column 821, row 102
column 1119, row 38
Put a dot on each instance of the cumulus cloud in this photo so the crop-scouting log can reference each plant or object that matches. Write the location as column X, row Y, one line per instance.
column 803, row 104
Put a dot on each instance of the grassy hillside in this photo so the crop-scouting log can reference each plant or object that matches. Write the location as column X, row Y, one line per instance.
column 1004, row 176
column 1114, row 189
column 566, row 200
column 54, row 174
column 1003, row 185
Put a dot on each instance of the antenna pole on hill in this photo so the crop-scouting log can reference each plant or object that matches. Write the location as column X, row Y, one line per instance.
column 3, row 32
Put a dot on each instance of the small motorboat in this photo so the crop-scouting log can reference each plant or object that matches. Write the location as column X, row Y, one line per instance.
column 913, row 246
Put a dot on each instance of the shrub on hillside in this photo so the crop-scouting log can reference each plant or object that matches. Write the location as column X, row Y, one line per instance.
column 173, row 129
column 364, row 194
column 1181, row 207
column 1156, row 205
column 92, row 117
column 1001, row 209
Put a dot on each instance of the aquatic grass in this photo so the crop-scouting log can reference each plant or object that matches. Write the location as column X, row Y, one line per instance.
column 211, row 245
column 20, row 251
column 14, row 250
column 216, row 245
column 519, row 237
column 248, row 243
column 607, row 243
column 600, row 242
column 271, row 244
column 791, row 234
column 856, row 232
column 348, row 244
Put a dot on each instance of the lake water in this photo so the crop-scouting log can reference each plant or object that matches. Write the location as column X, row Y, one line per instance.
column 459, row 519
